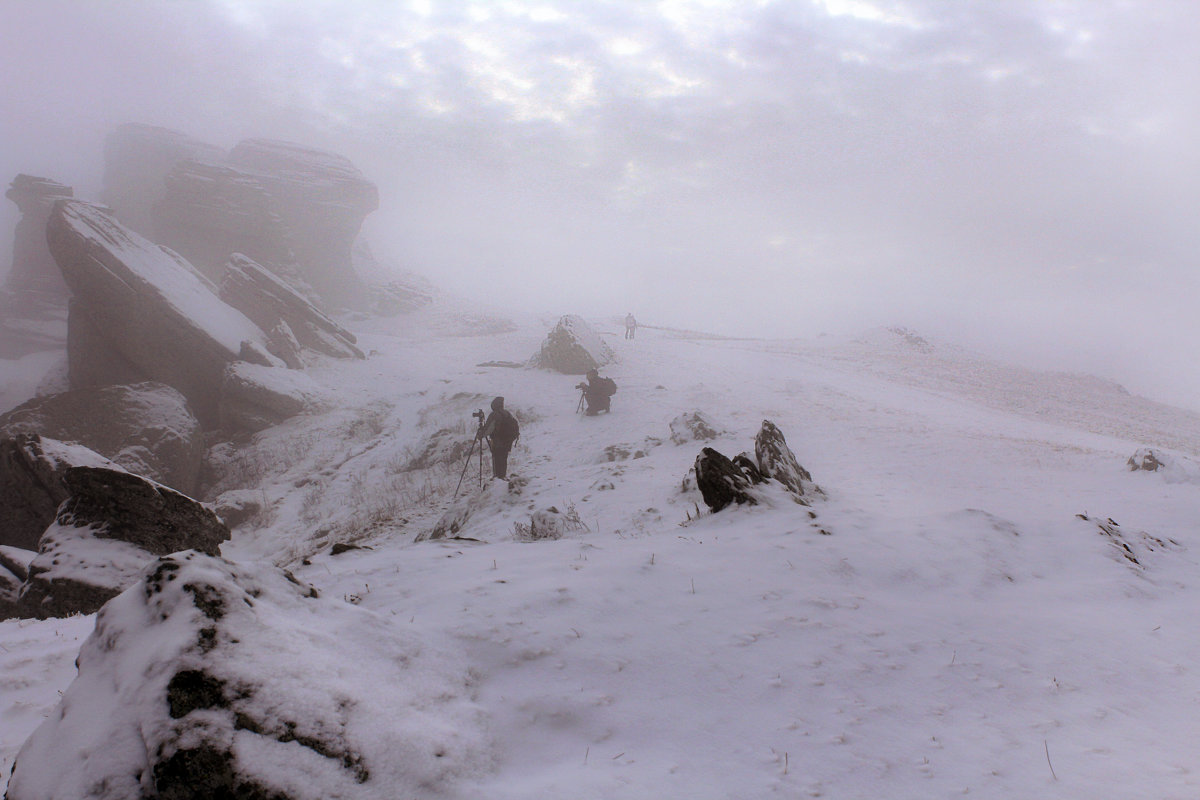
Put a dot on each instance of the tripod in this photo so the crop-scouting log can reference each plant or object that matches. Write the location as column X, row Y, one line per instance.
column 476, row 441
column 579, row 407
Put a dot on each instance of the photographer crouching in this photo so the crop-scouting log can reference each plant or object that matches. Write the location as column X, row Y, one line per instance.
column 597, row 392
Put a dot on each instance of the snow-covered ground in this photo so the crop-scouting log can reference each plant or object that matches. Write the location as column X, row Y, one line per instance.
column 960, row 617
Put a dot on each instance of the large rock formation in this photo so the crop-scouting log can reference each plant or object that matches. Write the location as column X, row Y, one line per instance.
column 142, row 311
column 33, row 302
column 146, row 427
column 572, row 348
column 137, row 160
column 322, row 200
column 209, row 679
column 32, row 485
column 110, row 526
column 283, row 312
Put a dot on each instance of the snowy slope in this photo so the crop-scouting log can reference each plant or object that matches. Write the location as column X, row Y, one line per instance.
column 960, row 630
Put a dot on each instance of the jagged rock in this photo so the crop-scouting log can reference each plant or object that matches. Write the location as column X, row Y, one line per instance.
column 32, row 469
column 572, row 348
column 209, row 679
column 146, row 306
column 720, row 481
column 268, row 301
column 1146, row 459
column 776, row 460
column 749, row 468
column 110, row 526
column 137, row 160
column 147, row 428
column 254, row 397
column 694, row 426
column 33, row 301
column 322, row 200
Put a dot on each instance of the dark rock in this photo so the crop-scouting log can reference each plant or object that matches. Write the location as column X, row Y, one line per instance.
column 147, row 305
column 749, row 468
column 572, row 348
column 203, row 662
column 322, row 199
column 720, row 481
column 268, row 301
column 147, row 428
column 776, row 460
column 32, row 486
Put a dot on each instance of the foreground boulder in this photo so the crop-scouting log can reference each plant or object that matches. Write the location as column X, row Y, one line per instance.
column 572, row 348
column 32, row 485
column 111, row 525
column 140, row 310
column 776, row 460
column 148, row 428
column 283, row 312
column 720, row 481
column 209, row 679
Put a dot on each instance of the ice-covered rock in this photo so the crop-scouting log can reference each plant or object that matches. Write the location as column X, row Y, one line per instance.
column 776, row 460
column 573, row 348
column 322, row 200
column 32, row 487
column 148, row 428
column 254, row 397
column 140, row 309
column 694, row 426
column 268, row 301
column 211, row 679
column 110, row 526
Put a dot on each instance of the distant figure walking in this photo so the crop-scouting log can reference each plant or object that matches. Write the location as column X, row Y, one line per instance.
column 597, row 392
column 501, row 430
column 630, row 325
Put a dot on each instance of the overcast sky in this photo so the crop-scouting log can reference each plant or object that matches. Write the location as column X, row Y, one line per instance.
column 1021, row 174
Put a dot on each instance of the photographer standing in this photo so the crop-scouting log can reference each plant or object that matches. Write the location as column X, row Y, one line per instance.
column 501, row 430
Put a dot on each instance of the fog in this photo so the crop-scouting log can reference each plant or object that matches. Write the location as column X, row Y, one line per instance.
column 1017, row 177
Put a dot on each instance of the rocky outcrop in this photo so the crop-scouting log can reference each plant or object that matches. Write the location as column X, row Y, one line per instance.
column 147, row 428
column 278, row 308
column 254, row 397
column 1146, row 459
column 572, row 348
column 140, row 308
column 721, row 483
column 32, row 486
column 776, row 460
column 33, row 301
column 322, row 200
column 209, row 679
column 110, row 526
column 137, row 160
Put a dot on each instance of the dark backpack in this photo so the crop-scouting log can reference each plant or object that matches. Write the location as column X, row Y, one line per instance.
column 607, row 386
column 507, row 429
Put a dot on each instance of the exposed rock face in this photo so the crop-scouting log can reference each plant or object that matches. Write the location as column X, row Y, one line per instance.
column 33, row 302
column 14, row 569
column 255, row 397
column 322, row 199
column 268, row 301
column 572, row 348
column 694, row 426
column 32, row 488
column 137, row 160
column 112, row 524
column 147, row 428
column 776, row 460
column 146, row 307
column 1146, row 459
column 209, row 679
column 720, row 481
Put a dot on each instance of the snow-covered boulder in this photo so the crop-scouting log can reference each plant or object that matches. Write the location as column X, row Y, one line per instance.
column 32, row 486
column 268, row 301
column 1146, row 459
column 548, row 524
column 210, row 679
column 144, row 308
column 148, row 428
column 720, row 481
column 254, row 397
column 14, row 569
column 572, row 348
column 694, row 426
column 111, row 525
column 776, row 460
column 1172, row 468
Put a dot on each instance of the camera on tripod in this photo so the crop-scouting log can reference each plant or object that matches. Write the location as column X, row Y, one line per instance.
column 479, row 416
